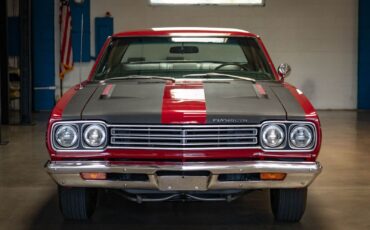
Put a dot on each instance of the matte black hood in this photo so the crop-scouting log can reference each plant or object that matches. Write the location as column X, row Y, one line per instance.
column 143, row 102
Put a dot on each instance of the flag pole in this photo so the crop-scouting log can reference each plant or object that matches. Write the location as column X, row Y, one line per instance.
column 66, row 51
column 81, row 44
column 61, row 87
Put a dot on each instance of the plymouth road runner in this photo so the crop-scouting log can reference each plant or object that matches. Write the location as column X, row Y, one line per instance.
column 177, row 114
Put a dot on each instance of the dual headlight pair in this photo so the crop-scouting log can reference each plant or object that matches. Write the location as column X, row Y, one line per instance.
column 301, row 136
column 73, row 136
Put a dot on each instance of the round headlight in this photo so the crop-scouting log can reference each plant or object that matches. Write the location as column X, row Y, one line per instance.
column 301, row 136
column 272, row 136
column 66, row 136
column 94, row 135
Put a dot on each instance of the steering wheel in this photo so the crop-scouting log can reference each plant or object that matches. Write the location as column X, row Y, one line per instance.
column 235, row 64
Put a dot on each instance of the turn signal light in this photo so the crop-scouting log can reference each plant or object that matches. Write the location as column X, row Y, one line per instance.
column 272, row 176
column 94, row 176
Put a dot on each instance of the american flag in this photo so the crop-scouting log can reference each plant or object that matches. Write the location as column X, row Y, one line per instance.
column 66, row 54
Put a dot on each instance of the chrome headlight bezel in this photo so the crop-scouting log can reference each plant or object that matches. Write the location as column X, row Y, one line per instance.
column 57, row 145
column 101, row 127
column 287, row 146
column 312, row 130
column 283, row 130
column 80, row 146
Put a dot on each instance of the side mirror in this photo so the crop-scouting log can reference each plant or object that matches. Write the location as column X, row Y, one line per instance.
column 284, row 70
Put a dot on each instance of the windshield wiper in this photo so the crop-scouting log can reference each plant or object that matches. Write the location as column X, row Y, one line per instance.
column 140, row 77
column 219, row 75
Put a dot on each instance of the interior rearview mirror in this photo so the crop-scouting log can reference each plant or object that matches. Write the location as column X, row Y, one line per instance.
column 184, row 50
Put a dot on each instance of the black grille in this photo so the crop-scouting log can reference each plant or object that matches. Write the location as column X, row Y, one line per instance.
column 183, row 137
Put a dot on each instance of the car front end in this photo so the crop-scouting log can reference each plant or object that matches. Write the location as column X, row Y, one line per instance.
column 179, row 126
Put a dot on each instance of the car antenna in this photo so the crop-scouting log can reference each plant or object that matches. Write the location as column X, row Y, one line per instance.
column 81, row 3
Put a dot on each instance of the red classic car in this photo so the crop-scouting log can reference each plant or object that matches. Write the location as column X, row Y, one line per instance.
column 184, row 114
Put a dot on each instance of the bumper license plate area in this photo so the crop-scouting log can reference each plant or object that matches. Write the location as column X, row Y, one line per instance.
column 182, row 183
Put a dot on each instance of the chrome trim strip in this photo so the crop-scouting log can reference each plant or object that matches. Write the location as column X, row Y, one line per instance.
column 207, row 148
column 299, row 174
column 169, row 126
column 254, row 141
column 115, row 131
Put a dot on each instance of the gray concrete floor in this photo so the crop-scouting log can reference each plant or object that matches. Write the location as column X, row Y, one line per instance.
column 338, row 199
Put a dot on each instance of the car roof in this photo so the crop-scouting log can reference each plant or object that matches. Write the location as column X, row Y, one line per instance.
column 186, row 31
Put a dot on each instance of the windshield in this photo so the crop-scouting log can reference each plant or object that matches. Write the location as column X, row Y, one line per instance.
column 179, row 56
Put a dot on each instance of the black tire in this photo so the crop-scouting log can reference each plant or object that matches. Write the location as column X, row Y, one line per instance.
column 288, row 205
column 77, row 203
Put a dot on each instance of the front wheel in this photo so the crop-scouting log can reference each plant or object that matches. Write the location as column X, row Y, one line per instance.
column 288, row 205
column 77, row 203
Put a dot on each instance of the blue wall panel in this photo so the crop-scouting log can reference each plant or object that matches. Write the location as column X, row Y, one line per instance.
column 364, row 55
column 76, row 12
column 103, row 29
column 43, row 60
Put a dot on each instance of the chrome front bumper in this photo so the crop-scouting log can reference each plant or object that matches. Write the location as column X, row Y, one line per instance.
column 299, row 174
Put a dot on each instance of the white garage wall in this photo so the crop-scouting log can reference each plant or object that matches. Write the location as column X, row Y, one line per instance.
column 318, row 38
